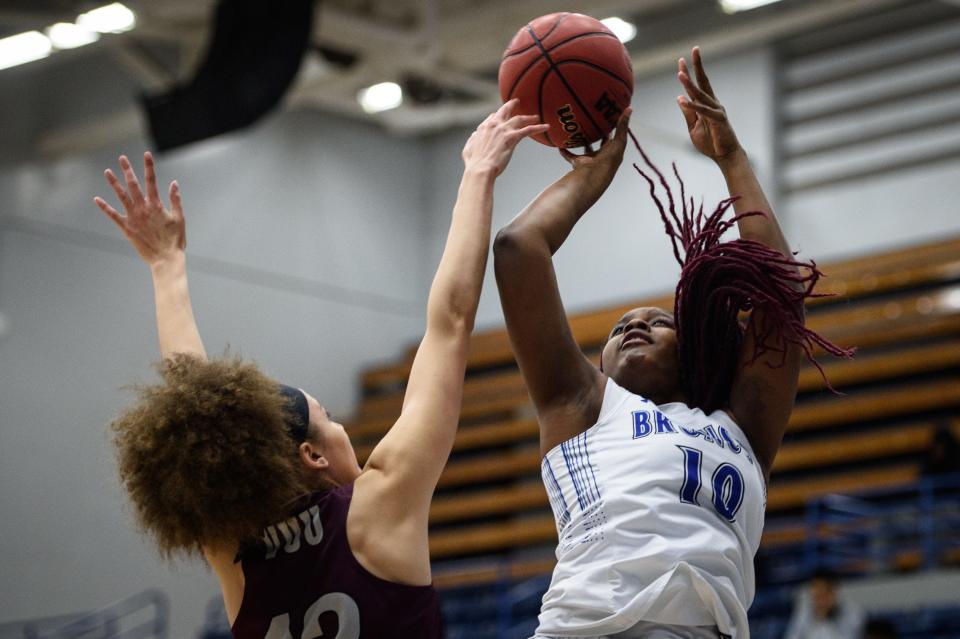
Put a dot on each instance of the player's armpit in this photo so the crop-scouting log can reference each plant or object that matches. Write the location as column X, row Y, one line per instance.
column 389, row 541
column 763, row 393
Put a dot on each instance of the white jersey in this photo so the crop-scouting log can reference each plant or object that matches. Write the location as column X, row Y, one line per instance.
column 659, row 513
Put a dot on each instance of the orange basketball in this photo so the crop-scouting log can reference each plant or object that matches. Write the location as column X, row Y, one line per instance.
column 571, row 71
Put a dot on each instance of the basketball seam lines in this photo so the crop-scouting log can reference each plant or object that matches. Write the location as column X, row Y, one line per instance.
column 510, row 54
column 581, row 35
column 521, row 76
column 553, row 67
column 534, row 63
column 553, row 48
column 559, row 44
column 587, row 63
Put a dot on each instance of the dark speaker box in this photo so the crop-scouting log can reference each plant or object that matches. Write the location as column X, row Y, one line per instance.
column 254, row 55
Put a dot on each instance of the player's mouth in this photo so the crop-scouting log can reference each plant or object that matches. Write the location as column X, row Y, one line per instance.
column 635, row 338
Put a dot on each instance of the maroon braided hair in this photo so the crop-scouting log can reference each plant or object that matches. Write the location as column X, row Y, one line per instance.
column 718, row 281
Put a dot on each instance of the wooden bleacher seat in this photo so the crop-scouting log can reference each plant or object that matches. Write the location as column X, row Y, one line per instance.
column 482, row 436
column 516, row 571
column 897, row 319
column 905, row 438
column 487, row 394
column 902, row 439
column 866, row 368
column 488, row 537
column 782, row 495
column 488, row 574
column 849, row 279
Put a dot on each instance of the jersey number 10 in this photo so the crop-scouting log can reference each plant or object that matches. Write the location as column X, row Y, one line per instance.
column 727, row 484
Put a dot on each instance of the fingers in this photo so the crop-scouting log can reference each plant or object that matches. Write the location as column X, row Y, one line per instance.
column 111, row 212
column 133, row 186
column 519, row 121
column 620, row 133
column 150, row 176
column 702, row 79
column 488, row 122
column 688, row 113
column 532, row 129
column 695, row 92
column 502, row 114
column 524, row 119
column 701, row 98
column 515, row 127
column 114, row 183
column 717, row 115
column 570, row 156
column 506, row 111
column 175, row 201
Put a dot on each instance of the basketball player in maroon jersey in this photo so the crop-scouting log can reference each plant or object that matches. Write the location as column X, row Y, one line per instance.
column 221, row 460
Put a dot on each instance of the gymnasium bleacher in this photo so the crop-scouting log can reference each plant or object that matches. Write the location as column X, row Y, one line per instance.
column 492, row 531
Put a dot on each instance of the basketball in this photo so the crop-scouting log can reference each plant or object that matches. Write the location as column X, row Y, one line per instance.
column 573, row 72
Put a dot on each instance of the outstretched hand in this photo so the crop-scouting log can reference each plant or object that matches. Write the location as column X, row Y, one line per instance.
column 710, row 130
column 610, row 154
column 491, row 145
column 593, row 171
column 155, row 232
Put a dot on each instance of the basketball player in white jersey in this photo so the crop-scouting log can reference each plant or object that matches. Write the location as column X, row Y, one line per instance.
column 656, row 472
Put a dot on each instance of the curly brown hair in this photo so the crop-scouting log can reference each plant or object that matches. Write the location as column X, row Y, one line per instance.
column 205, row 454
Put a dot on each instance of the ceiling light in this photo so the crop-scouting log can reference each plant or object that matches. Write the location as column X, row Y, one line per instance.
column 733, row 6
column 624, row 30
column 65, row 35
column 381, row 97
column 113, row 18
column 23, row 47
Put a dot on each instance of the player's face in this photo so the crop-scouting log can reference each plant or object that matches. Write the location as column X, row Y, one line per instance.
column 334, row 444
column 641, row 354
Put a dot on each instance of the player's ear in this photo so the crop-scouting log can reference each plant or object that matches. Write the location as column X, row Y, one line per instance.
column 312, row 457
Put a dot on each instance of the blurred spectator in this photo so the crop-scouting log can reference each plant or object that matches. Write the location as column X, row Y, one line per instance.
column 943, row 456
column 822, row 613
column 880, row 629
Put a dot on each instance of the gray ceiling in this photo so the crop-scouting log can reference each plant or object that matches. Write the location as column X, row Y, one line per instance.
column 447, row 50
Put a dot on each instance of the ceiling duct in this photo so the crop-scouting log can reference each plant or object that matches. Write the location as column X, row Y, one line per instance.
column 254, row 55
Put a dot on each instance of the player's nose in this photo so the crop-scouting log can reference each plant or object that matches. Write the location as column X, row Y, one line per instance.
column 637, row 322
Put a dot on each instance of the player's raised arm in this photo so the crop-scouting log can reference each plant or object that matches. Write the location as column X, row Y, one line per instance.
column 392, row 496
column 764, row 387
column 564, row 386
column 159, row 236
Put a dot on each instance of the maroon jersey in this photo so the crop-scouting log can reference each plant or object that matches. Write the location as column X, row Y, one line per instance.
column 304, row 582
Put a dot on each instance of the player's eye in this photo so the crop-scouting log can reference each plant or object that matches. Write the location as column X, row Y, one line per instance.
column 329, row 416
column 616, row 330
